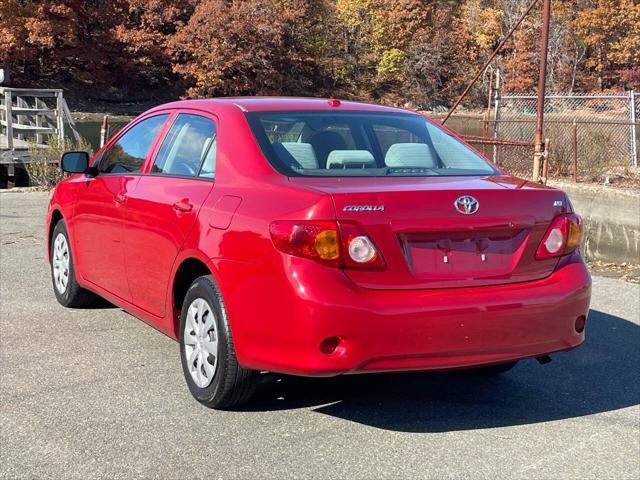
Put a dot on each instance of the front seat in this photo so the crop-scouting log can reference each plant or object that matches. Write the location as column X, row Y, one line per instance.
column 324, row 143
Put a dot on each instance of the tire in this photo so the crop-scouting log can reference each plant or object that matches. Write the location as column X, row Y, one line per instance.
column 493, row 370
column 68, row 293
column 207, row 353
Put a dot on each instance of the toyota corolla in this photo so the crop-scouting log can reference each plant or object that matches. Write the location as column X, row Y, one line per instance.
column 316, row 237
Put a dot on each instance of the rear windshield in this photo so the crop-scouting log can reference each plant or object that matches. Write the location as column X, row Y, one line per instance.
column 330, row 144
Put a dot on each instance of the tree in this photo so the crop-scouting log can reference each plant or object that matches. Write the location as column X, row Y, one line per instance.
column 441, row 60
column 396, row 51
column 611, row 31
column 239, row 48
column 61, row 41
column 146, row 27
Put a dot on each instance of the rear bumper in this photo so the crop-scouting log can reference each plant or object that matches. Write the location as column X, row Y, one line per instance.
column 382, row 331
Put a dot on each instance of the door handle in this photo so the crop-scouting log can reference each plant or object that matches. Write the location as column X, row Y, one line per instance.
column 119, row 199
column 183, row 206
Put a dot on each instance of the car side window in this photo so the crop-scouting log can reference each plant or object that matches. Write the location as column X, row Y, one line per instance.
column 189, row 144
column 128, row 153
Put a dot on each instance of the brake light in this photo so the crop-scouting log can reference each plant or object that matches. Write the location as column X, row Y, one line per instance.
column 315, row 240
column 338, row 245
column 562, row 237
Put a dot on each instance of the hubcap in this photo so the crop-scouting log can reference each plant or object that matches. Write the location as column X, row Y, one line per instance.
column 201, row 342
column 60, row 263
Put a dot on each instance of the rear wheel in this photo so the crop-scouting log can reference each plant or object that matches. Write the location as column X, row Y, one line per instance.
column 492, row 370
column 68, row 292
column 207, row 352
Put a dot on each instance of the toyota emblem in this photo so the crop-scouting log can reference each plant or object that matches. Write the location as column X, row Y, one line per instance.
column 466, row 204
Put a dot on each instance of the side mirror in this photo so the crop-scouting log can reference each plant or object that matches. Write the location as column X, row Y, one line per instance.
column 74, row 162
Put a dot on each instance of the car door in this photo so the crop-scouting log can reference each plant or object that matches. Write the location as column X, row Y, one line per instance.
column 162, row 210
column 99, row 210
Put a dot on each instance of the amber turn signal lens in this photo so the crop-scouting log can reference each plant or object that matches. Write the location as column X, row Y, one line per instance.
column 325, row 241
column 327, row 245
column 315, row 240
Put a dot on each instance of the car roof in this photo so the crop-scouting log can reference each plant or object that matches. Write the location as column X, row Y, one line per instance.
column 262, row 104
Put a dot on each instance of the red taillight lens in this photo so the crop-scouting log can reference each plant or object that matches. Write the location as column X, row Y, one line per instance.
column 316, row 240
column 563, row 236
column 344, row 245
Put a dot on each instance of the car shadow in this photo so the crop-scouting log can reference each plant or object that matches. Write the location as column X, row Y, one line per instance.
column 97, row 303
column 599, row 376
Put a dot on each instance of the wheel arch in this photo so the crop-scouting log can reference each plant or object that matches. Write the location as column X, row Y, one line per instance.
column 56, row 216
column 188, row 270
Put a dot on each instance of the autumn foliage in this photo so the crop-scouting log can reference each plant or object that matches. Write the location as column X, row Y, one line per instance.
column 417, row 51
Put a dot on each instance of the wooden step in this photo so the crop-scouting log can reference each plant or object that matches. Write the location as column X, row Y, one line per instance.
column 30, row 111
column 30, row 128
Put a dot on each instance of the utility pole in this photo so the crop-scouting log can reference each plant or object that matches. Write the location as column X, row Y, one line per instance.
column 539, row 150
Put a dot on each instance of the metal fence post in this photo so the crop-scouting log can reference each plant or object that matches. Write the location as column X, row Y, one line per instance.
column 634, row 141
column 538, row 155
column 545, row 162
column 575, row 151
column 104, row 131
column 496, row 116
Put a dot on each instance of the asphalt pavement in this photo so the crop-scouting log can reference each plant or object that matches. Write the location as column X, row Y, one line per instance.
column 96, row 393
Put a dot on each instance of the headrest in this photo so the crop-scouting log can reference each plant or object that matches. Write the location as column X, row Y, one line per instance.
column 350, row 159
column 409, row 155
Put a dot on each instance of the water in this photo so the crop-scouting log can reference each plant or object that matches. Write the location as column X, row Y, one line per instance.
column 90, row 131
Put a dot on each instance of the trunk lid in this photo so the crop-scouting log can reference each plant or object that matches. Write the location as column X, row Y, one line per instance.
column 427, row 243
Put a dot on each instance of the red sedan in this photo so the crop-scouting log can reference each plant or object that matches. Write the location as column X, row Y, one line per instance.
column 316, row 237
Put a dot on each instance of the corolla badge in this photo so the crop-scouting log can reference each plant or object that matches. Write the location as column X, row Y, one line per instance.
column 363, row 208
column 466, row 204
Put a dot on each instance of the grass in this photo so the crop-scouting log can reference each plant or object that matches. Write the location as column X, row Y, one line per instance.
column 44, row 166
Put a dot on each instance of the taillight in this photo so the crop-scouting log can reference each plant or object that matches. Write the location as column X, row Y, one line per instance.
column 339, row 245
column 563, row 236
column 316, row 240
column 360, row 252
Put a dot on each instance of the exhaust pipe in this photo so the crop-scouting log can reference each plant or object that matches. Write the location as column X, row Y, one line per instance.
column 544, row 359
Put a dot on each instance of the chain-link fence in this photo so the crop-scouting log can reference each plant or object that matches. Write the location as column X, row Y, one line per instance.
column 515, row 156
column 593, row 138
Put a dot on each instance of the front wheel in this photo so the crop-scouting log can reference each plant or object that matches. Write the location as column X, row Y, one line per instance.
column 207, row 352
column 68, row 292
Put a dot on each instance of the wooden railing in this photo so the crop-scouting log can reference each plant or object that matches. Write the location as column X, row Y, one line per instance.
column 32, row 115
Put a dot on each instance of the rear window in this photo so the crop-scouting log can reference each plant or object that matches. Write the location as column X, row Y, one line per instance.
column 333, row 144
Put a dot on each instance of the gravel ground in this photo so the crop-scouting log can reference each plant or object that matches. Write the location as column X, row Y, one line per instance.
column 96, row 393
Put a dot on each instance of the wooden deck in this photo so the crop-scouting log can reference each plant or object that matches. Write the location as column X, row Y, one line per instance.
column 29, row 114
column 17, row 144
column 19, row 154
